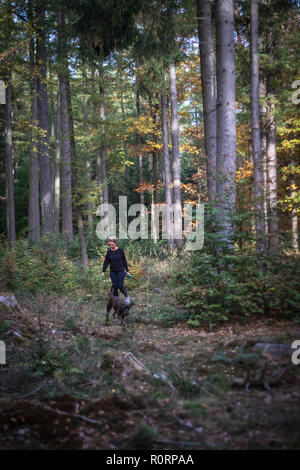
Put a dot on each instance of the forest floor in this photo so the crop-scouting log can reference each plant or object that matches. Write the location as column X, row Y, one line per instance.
column 71, row 381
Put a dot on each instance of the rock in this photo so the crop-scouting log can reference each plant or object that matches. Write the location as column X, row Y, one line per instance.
column 9, row 301
column 165, row 379
column 123, row 363
column 274, row 350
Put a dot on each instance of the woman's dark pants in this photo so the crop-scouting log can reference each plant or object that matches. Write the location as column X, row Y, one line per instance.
column 117, row 278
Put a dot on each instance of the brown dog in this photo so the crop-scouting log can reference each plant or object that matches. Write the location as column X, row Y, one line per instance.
column 120, row 306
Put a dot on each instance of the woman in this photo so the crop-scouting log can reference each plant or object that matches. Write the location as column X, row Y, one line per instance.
column 115, row 256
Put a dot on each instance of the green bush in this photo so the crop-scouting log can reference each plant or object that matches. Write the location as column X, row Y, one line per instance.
column 217, row 288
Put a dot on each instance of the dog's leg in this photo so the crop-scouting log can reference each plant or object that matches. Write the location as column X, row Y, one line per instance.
column 108, row 309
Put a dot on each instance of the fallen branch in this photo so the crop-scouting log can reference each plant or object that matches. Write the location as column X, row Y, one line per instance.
column 71, row 415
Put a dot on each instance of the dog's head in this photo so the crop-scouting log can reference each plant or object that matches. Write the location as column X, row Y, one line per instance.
column 127, row 308
column 126, row 311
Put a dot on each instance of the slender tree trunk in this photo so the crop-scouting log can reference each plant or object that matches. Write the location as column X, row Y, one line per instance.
column 274, row 243
column 9, row 172
column 57, row 166
column 88, row 162
column 226, row 123
column 256, row 136
column 154, row 155
column 47, row 200
column 272, row 172
column 293, row 193
column 164, row 123
column 88, row 155
column 105, row 193
column 208, row 78
column 53, row 144
column 66, row 174
column 34, row 232
column 263, row 109
column 139, row 143
column 83, row 245
column 176, row 158
column 103, row 147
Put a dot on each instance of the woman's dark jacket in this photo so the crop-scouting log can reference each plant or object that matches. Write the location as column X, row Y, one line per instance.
column 116, row 259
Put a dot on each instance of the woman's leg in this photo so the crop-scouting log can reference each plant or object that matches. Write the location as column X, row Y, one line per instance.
column 114, row 280
column 121, row 277
column 122, row 287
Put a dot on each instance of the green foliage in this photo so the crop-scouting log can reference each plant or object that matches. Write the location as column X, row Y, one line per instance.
column 216, row 288
column 143, row 437
column 4, row 325
column 46, row 267
column 48, row 359
column 185, row 386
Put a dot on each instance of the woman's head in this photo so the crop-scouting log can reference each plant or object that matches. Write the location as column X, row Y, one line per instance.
column 112, row 241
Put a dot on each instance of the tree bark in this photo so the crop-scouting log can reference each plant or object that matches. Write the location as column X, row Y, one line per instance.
column 139, row 143
column 164, row 123
column 88, row 161
column 208, row 79
column 66, row 174
column 57, row 166
column 9, row 172
column 105, row 194
column 274, row 243
column 256, row 135
column 176, row 158
column 154, row 155
column 263, row 109
column 46, row 193
column 294, row 215
column 34, row 232
column 272, row 172
column 226, row 123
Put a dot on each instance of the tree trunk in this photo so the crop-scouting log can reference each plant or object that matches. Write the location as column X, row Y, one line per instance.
column 169, row 215
column 139, row 142
column 57, row 166
column 293, row 193
column 256, row 136
column 208, row 78
column 226, row 123
column 88, row 162
column 105, row 193
column 263, row 109
column 66, row 174
column 176, row 158
column 274, row 243
column 9, row 172
column 272, row 173
column 83, row 246
column 47, row 200
column 34, row 232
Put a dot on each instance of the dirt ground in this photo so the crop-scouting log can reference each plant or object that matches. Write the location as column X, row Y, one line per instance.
column 71, row 381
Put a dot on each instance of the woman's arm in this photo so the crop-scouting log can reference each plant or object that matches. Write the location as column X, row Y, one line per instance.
column 124, row 261
column 106, row 262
